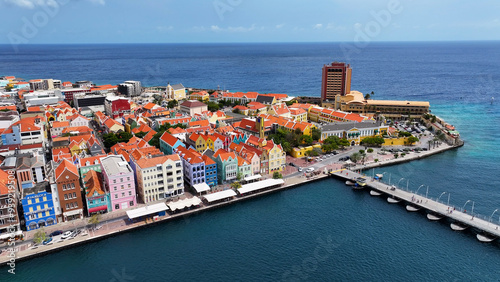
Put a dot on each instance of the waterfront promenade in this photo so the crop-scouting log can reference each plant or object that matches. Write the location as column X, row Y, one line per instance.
column 115, row 223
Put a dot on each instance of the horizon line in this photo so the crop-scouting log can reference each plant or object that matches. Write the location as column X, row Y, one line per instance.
column 258, row 42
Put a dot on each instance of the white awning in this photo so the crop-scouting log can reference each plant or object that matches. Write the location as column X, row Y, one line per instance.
column 259, row 185
column 8, row 235
column 220, row 195
column 70, row 213
column 253, row 177
column 186, row 203
column 202, row 187
column 147, row 210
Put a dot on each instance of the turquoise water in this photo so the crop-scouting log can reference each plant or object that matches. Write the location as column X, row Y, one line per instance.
column 321, row 231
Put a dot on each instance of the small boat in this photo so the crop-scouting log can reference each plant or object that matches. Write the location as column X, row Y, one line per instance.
column 458, row 227
column 393, row 200
column 379, row 175
column 350, row 183
column 375, row 193
column 485, row 238
column 411, row 208
column 434, row 217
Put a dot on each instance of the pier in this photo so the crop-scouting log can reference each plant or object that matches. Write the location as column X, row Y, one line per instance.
column 461, row 220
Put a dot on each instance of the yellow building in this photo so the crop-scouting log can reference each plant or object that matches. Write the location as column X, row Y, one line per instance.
column 277, row 157
column 176, row 92
column 300, row 152
column 355, row 102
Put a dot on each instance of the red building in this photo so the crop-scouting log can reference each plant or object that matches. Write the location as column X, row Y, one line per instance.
column 116, row 106
column 336, row 80
column 68, row 94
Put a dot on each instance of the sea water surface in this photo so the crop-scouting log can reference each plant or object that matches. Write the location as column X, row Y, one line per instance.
column 321, row 231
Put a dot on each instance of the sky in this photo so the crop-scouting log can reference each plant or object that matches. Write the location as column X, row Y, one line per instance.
column 213, row 21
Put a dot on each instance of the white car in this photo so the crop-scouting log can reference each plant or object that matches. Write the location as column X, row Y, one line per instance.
column 66, row 235
column 311, row 169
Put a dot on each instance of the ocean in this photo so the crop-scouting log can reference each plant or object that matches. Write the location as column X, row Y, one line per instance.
column 321, row 231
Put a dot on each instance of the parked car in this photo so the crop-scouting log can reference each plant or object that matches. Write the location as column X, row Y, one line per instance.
column 311, row 169
column 66, row 235
column 47, row 241
column 300, row 169
column 98, row 227
column 55, row 233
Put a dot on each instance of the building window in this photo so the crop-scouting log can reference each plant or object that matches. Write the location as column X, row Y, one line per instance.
column 130, row 193
column 117, row 207
column 131, row 203
column 116, row 196
column 64, row 187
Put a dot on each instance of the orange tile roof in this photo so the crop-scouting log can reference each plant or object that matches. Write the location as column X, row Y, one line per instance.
column 80, row 129
column 149, row 136
column 169, row 139
column 207, row 160
column 149, row 106
column 176, row 130
column 65, row 165
column 240, row 107
column 57, row 124
column 151, row 162
column 199, row 123
column 92, row 182
column 92, row 160
column 189, row 155
column 297, row 111
column 224, row 155
column 277, row 96
column 242, row 161
column 4, row 180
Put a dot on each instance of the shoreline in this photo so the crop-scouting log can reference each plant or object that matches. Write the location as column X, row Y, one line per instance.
column 290, row 183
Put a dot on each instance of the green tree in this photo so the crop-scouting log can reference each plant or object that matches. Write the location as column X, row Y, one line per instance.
column 412, row 140
column 95, row 219
column 110, row 140
column 344, row 143
column 213, row 107
column 404, row 134
column 306, row 139
column 361, row 152
column 277, row 175
column 236, row 185
column 124, row 136
column 239, row 176
column 370, row 150
column 40, row 236
column 316, row 134
column 141, row 134
column 396, row 155
column 172, row 104
column 356, row 157
column 367, row 96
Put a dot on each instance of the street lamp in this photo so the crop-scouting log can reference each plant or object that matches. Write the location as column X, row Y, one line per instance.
column 389, row 177
column 465, row 205
column 492, row 214
column 419, row 188
column 399, row 181
column 440, row 196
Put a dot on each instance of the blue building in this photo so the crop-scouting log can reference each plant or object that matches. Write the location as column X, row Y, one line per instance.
column 11, row 136
column 210, row 171
column 38, row 207
column 168, row 143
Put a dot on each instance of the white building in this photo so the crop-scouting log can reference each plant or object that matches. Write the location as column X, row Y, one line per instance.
column 159, row 177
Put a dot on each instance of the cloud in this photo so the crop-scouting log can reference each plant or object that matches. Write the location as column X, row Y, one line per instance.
column 216, row 28
column 318, row 26
column 278, row 26
column 31, row 4
column 164, row 28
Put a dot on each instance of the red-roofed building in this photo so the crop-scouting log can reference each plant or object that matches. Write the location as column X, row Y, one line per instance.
column 69, row 193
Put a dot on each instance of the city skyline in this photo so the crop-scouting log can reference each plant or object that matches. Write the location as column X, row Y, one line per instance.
column 223, row 21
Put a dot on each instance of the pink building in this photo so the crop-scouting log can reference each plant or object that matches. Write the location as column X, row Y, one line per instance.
column 118, row 179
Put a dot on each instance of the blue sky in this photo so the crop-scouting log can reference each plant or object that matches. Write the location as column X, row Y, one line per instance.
column 172, row 21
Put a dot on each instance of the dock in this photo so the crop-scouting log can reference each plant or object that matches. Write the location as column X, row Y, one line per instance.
column 436, row 210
